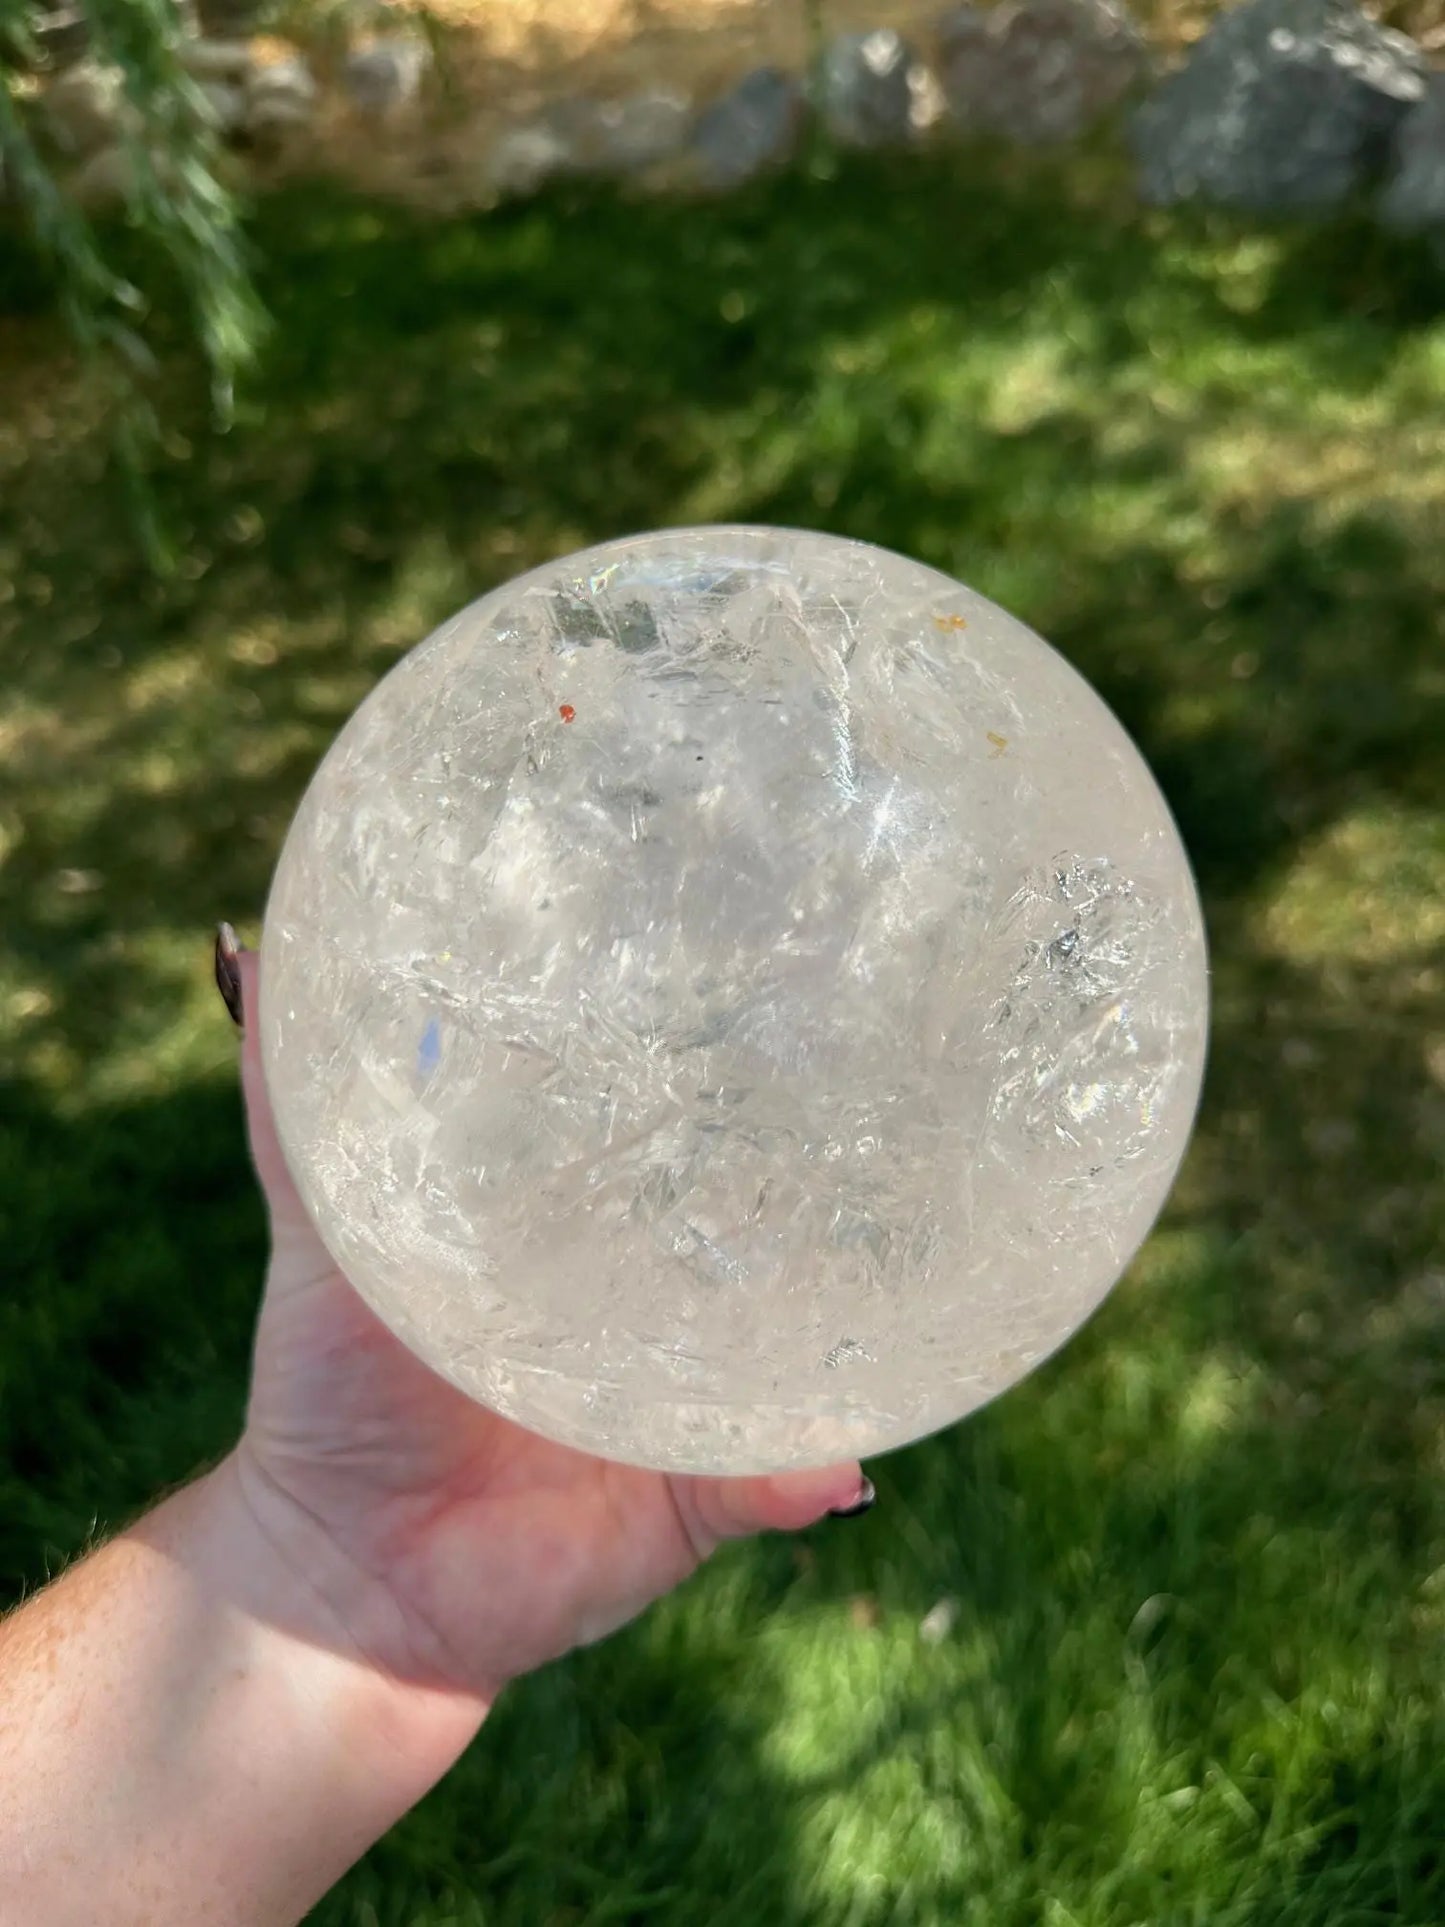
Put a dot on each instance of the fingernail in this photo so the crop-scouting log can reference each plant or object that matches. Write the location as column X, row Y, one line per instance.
column 228, row 972
column 866, row 1495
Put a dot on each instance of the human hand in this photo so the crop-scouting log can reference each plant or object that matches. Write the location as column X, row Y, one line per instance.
column 451, row 1547
column 289, row 1650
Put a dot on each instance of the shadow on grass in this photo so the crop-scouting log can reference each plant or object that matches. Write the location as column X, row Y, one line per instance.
column 1193, row 1559
column 1009, row 383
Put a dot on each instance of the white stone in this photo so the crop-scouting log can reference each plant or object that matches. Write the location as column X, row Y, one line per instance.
column 927, row 104
column 938, row 1622
column 524, row 158
column 281, row 98
column 733, row 999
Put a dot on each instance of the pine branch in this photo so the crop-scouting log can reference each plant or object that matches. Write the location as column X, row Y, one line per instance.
column 174, row 198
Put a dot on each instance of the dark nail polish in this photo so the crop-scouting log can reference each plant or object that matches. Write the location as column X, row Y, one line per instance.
column 866, row 1496
column 228, row 972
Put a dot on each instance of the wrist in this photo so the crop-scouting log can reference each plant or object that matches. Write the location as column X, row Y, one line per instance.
column 262, row 1752
column 328, row 1619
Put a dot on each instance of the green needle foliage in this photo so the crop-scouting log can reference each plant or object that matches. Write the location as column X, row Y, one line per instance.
column 186, row 219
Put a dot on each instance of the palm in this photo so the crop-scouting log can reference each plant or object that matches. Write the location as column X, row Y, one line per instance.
column 500, row 1548
column 494, row 1549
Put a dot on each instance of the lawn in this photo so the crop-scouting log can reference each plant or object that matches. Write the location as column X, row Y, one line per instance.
column 1190, row 1668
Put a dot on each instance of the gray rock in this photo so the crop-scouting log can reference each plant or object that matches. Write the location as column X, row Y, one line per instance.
column 225, row 106
column 387, row 75
column 1037, row 72
column 640, row 131
column 582, row 136
column 526, row 158
column 280, row 99
column 754, row 127
column 865, row 90
column 225, row 60
column 1414, row 197
column 86, row 109
column 1283, row 106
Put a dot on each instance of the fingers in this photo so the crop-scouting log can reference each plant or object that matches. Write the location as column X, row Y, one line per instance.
column 238, row 973
column 717, row 1509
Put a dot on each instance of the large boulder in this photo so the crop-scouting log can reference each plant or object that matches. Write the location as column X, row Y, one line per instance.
column 1284, row 106
column 752, row 128
column 1414, row 198
column 865, row 89
column 1037, row 72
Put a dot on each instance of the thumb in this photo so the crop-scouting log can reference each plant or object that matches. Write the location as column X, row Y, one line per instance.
column 718, row 1509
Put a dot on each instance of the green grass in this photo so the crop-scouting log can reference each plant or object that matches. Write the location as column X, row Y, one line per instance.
column 1195, row 1674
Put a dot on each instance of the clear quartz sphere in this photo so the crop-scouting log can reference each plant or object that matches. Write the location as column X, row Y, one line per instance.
column 734, row 999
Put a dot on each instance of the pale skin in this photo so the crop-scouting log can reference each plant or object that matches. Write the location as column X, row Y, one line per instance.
column 211, row 1717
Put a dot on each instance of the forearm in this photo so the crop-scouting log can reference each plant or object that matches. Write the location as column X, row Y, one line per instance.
column 185, row 1735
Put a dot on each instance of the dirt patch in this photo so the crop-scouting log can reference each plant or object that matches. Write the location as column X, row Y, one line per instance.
column 615, row 46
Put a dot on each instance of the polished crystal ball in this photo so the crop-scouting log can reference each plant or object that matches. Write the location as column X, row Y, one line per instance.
column 733, row 999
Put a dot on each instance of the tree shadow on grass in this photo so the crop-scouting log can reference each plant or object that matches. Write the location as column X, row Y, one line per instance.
column 1218, row 1516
